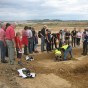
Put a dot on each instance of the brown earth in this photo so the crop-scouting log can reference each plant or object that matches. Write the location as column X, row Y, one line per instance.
column 49, row 73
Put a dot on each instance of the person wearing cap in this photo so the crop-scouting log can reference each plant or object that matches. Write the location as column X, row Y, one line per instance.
column 66, row 49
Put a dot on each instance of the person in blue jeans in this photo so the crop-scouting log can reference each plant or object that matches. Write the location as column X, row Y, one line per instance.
column 43, row 35
column 30, row 40
column 2, row 43
column 67, row 49
column 2, row 47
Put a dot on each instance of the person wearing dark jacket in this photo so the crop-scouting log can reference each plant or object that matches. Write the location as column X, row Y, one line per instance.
column 43, row 34
column 33, row 32
column 85, row 43
column 67, row 37
column 53, row 41
column 48, row 40
column 73, row 34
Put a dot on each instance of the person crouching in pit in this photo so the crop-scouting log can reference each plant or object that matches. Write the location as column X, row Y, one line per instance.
column 58, row 55
column 18, row 46
column 66, row 49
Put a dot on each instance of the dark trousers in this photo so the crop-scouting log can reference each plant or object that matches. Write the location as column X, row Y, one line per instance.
column 73, row 41
column 78, row 41
column 19, row 55
column 30, row 45
column 67, row 41
column 53, row 44
column 2, row 47
column 6, row 53
column 25, row 50
column 33, row 43
column 85, row 47
column 60, row 43
column 48, row 46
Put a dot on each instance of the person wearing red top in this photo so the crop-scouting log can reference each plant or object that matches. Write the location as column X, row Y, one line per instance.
column 18, row 43
column 25, row 40
column 9, row 36
column 2, row 43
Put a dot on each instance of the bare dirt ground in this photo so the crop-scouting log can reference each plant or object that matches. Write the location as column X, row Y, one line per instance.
column 50, row 73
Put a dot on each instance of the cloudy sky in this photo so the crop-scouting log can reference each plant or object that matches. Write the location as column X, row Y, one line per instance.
column 43, row 9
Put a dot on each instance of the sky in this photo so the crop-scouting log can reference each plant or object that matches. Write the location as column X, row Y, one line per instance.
column 43, row 9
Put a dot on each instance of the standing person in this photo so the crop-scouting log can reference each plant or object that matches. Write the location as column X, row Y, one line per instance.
column 43, row 34
column 2, row 44
column 54, row 39
column 60, row 38
column 7, row 25
column 85, row 42
column 18, row 43
column 48, row 40
column 35, row 42
column 33, row 32
column 67, row 37
column 25, row 40
column 10, row 41
column 30, row 40
column 73, row 34
column 78, row 37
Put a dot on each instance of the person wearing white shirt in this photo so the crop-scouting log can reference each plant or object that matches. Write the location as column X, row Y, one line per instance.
column 78, row 36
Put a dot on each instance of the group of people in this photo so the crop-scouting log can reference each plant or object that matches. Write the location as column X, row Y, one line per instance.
column 11, row 41
column 28, row 39
column 74, row 38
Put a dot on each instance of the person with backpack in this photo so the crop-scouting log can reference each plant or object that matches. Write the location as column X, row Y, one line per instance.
column 43, row 35
column 30, row 40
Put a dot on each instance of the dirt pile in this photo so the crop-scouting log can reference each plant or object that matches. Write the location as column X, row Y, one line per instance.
column 50, row 73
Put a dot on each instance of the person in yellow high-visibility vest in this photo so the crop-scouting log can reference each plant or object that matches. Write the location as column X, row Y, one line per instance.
column 67, row 49
column 58, row 54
